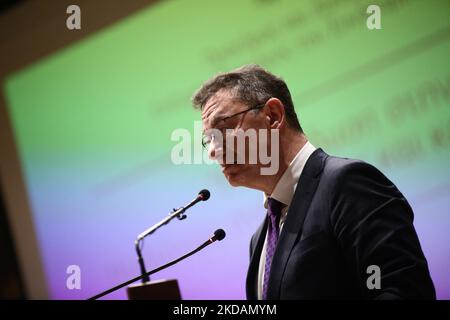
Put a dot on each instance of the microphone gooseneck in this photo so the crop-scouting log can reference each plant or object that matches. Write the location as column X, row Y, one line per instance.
column 219, row 235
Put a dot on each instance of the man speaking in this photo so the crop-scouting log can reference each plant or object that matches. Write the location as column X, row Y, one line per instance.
column 333, row 228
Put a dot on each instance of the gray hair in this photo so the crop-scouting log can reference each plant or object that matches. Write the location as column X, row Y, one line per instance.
column 252, row 85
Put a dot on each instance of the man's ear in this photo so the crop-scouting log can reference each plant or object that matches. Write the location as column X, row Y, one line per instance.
column 275, row 113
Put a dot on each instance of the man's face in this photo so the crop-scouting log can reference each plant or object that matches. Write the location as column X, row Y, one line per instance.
column 218, row 107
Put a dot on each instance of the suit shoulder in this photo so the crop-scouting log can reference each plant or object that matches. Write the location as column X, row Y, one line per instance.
column 358, row 184
column 338, row 170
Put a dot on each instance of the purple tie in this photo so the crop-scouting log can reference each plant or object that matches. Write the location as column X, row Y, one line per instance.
column 274, row 212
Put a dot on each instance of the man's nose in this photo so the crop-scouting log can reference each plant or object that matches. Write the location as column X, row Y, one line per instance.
column 212, row 151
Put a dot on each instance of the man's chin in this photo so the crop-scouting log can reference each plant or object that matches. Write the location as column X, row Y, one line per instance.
column 232, row 179
column 236, row 175
column 234, row 182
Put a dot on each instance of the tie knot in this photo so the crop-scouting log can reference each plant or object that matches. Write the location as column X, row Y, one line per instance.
column 274, row 207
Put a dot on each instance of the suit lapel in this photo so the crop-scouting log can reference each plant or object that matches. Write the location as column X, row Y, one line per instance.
column 293, row 225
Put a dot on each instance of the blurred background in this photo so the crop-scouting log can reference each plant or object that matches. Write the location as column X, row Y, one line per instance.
column 86, row 118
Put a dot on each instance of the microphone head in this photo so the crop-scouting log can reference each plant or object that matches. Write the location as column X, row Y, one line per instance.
column 219, row 234
column 204, row 194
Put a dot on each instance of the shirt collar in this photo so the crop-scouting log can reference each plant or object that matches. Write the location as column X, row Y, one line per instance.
column 285, row 187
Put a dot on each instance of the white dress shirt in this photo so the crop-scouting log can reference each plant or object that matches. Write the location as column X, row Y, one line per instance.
column 284, row 192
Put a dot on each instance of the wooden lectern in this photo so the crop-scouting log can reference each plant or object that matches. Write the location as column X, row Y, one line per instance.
column 155, row 290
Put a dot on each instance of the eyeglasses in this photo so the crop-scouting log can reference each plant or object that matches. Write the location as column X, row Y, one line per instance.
column 208, row 138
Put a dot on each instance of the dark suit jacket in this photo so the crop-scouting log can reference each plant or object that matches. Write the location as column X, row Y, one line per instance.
column 345, row 216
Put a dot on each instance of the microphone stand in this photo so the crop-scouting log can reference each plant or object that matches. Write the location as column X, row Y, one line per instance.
column 147, row 274
column 175, row 213
column 179, row 213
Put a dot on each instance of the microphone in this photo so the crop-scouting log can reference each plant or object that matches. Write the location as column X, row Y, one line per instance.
column 203, row 195
column 219, row 235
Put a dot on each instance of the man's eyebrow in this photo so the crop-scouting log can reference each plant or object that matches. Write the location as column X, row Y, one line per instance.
column 215, row 119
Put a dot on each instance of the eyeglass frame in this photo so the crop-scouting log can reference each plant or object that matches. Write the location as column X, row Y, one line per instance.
column 257, row 107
